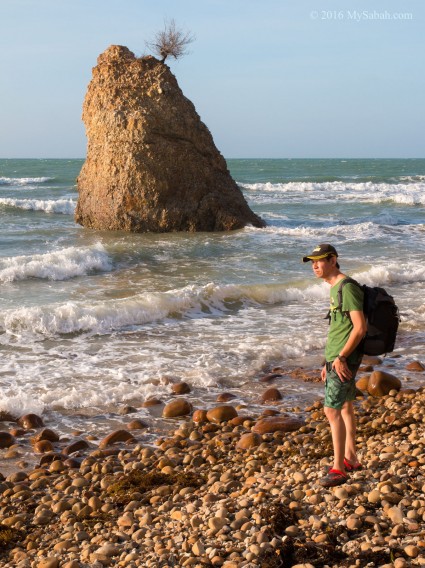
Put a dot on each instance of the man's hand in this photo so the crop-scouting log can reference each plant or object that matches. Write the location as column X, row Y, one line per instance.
column 323, row 374
column 342, row 370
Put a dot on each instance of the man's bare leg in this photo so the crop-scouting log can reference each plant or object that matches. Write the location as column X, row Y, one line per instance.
column 349, row 418
column 338, row 432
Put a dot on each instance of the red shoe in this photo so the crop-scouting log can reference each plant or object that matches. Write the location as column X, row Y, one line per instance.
column 333, row 478
column 351, row 466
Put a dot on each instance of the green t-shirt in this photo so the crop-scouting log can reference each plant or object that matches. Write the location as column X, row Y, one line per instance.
column 340, row 324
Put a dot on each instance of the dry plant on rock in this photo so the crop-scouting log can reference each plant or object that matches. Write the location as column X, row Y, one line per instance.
column 170, row 41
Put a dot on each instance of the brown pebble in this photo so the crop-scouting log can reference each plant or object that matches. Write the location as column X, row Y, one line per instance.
column 30, row 422
column 181, row 388
column 76, row 446
column 6, row 416
column 176, row 408
column 270, row 412
column 199, row 416
column 248, row 441
column 371, row 360
column 43, row 447
column 225, row 397
column 381, row 383
column 17, row 432
column 45, row 434
column 221, row 414
column 271, row 395
column 151, row 402
column 270, row 377
column 137, row 425
column 416, row 366
column 279, row 423
column 124, row 410
column 116, row 436
column 363, row 383
column 6, row 440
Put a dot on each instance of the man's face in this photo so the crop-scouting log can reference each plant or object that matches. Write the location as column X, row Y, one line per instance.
column 324, row 267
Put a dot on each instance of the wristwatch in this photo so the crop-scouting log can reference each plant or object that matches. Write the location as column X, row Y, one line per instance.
column 342, row 358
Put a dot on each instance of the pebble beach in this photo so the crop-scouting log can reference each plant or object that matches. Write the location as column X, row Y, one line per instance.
column 224, row 487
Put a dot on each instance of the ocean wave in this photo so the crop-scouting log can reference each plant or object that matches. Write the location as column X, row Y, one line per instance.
column 104, row 317
column 367, row 192
column 189, row 302
column 24, row 180
column 360, row 231
column 62, row 206
column 20, row 403
column 59, row 265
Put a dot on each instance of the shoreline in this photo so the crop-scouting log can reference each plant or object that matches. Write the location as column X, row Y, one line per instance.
column 219, row 493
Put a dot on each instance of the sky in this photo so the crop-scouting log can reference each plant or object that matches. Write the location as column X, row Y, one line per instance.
column 270, row 78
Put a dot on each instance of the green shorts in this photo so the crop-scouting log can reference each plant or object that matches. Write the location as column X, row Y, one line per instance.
column 337, row 392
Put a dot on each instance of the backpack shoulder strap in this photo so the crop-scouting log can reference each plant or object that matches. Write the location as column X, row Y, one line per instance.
column 347, row 280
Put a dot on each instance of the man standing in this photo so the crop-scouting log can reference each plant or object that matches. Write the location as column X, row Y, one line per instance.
column 343, row 356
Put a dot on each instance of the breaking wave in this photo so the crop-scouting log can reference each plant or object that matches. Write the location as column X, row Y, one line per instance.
column 59, row 265
column 62, row 206
column 188, row 302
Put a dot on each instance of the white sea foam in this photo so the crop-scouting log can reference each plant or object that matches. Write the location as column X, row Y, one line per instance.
column 368, row 192
column 58, row 265
column 63, row 206
column 24, row 180
column 189, row 302
column 393, row 273
column 20, row 403
column 361, row 231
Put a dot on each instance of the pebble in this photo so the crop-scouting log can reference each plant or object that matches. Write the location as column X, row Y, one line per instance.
column 214, row 505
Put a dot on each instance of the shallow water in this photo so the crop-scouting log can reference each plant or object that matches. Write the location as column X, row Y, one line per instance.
column 91, row 320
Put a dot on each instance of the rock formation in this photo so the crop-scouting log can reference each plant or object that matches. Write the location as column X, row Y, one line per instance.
column 151, row 162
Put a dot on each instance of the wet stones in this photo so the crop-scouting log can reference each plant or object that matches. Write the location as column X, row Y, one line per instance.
column 76, row 446
column 381, row 383
column 181, row 388
column 30, row 422
column 221, row 414
column 248, row 441
column 362, row 383
column 176, row 408
column 117, row 436
column 6, row 416
column 225, row 397
column 271, row 395
column 6, row 440
column 151, row 402
column 280, row 423
column 137, row 425
column 200, row 416
column 45, row 434
column 43, row 447
column 416, row 367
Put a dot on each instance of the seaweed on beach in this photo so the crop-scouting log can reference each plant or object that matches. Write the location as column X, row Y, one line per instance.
column 278, row 517
column 137, row 481
column 280, row 557
column 9, row 536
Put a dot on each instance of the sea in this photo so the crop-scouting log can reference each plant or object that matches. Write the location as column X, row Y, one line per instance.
column 93, row 321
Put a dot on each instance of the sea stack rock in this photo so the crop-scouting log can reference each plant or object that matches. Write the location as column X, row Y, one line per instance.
column 151, row 164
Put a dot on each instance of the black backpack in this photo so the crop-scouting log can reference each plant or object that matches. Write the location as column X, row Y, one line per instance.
column 382, row 318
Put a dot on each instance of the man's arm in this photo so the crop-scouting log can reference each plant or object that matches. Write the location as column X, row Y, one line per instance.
column 356, row 335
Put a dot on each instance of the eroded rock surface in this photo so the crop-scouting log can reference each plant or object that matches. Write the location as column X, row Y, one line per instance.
column 151, row 164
